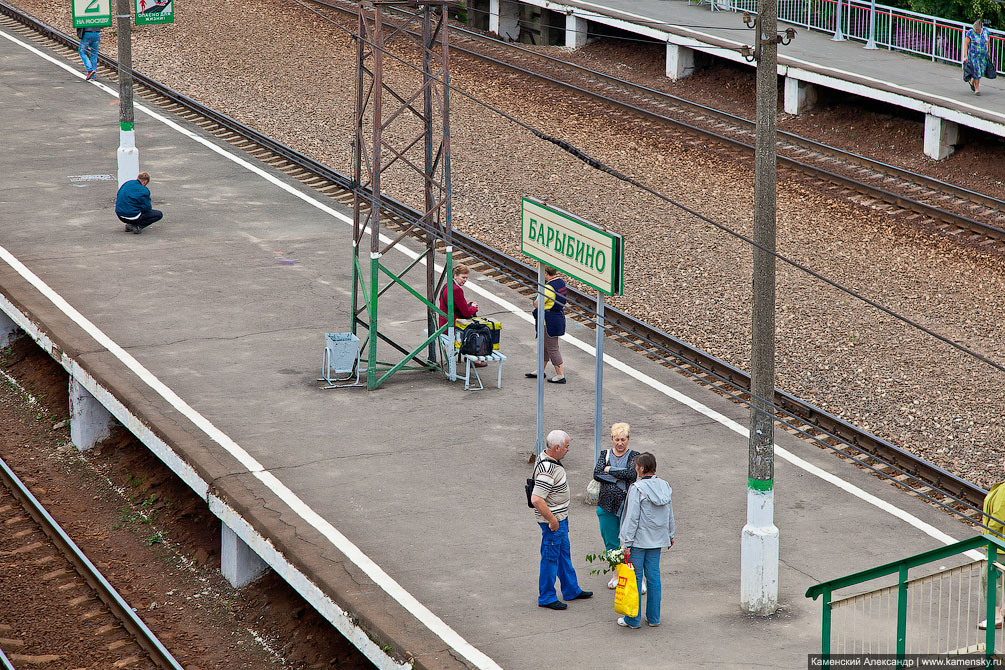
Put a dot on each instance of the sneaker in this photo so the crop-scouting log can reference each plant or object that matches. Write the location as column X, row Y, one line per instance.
column 557, row 380
column 557, row 605
column 583, row 595
column 613, row 584
column 136, row 229
column 984, row 624
column 530, row 375
column 651, row 624
column 621, row 622
column 90, row 75
column 128, row 228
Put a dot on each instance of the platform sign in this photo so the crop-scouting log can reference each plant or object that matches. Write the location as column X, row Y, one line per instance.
column 576, row 247
column 92, row 13
column 149, row 12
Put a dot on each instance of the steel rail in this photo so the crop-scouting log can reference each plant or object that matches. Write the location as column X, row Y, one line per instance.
column 105, row 591
column 525, row 276
column 897, row 199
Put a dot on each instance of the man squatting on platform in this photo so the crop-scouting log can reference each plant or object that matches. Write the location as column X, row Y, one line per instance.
column 132, row 204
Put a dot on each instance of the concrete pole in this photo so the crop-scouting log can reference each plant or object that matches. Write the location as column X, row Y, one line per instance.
column 128, row 156
column 838, row 34
column 759, row 540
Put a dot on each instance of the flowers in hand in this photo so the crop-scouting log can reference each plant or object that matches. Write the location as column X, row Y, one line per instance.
column 613, row 558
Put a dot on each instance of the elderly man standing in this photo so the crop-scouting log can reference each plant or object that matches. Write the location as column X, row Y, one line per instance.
column 550, row 499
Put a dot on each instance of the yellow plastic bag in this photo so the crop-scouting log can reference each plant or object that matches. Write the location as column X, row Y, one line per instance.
column 626, row 597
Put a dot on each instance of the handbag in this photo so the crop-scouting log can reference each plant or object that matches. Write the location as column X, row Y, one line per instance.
column 593, row 488
column 989, row 70
column 626, row 596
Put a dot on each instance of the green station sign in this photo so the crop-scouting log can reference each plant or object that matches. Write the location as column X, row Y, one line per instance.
column 91, row 13
column 576, row 247
column 150, row 12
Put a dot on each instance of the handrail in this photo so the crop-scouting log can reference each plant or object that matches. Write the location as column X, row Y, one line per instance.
column 993, row 546
column 880, row 26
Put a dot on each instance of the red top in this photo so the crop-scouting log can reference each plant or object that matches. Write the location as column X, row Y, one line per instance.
column 462, row 308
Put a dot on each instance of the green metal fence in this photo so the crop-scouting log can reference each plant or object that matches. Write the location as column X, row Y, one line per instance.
column 887, row 610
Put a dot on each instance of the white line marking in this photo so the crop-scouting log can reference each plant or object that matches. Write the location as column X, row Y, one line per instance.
column 347, row 547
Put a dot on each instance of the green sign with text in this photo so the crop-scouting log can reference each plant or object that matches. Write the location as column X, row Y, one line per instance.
column 149, row 12
column 91, row 13
column 578, row 248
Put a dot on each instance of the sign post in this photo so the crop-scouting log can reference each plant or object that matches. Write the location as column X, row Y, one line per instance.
column 583, row 251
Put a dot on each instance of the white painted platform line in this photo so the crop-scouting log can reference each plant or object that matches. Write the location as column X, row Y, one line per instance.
column 374, row 571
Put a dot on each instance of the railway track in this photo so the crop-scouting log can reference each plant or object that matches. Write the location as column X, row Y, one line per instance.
column 917, row 476
column 72, row 615
column 867, row 182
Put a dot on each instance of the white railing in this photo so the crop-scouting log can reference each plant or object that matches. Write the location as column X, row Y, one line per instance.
column 893, row 29
column 943, row 610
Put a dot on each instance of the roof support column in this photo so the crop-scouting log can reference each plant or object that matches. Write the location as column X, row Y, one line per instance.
column 941, row 137
column 680, row 61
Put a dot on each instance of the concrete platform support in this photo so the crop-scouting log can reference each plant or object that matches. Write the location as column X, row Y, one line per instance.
column 90, row 422
column 941, row 137
column 238, row 563
column 8, row 330
column 680, row 62
column 575, row 31
column 504, row 19
column 800, row 96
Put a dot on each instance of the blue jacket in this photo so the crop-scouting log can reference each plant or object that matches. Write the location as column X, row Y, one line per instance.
column 133, row 198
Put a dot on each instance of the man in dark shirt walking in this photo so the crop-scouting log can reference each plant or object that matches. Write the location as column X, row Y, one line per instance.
column 132, row 204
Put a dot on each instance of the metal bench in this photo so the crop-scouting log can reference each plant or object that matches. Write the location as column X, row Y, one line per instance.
column 450, row 355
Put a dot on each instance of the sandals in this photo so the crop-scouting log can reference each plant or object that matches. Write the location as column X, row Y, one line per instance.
column 984, row 624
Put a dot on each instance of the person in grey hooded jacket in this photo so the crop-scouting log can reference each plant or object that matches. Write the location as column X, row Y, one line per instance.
column 646, row 527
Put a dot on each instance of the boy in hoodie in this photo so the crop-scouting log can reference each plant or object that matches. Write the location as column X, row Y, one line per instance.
column 646, row 527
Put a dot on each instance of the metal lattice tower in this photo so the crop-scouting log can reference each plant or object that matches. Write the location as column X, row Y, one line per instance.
column 402, row 144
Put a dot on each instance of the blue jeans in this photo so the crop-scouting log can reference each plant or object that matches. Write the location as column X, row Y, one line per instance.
column 556, row 561
column 89, row 50
column 647, row 562
column 610, row 526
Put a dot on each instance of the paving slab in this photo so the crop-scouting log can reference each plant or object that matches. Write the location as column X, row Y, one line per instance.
column 225, row 301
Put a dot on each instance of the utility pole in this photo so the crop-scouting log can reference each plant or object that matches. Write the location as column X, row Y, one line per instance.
column 759, row 540
column 128, row 156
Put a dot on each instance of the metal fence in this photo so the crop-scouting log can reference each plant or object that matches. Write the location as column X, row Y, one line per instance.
column 892, row 28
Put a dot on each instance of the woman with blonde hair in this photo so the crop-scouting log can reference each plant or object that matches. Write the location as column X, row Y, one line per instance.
column 615, row 470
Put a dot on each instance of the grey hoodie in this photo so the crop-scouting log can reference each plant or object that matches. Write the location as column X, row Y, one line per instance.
column 648, row 518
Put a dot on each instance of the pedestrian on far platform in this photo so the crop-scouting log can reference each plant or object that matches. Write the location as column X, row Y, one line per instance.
column 646, row 527
column 90, row 38
column 132, row 204
column 550, row 498
column 975, row 55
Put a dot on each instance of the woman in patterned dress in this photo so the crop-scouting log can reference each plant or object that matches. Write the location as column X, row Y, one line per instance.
column 975, row 51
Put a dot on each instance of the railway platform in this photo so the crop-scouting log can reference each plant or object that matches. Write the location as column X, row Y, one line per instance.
column 810, row 62
column 399, row 514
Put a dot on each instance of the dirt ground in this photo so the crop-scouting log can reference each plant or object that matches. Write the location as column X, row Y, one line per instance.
column 152, row 538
